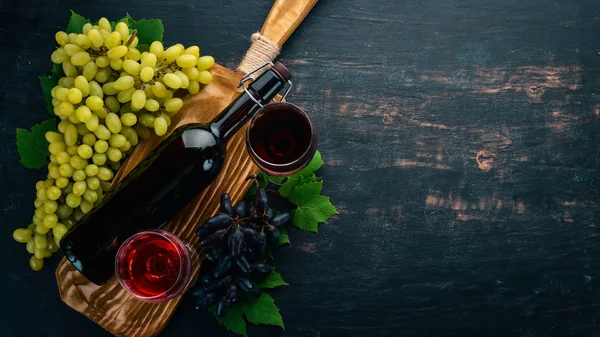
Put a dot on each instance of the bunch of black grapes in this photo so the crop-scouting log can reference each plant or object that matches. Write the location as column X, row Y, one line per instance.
column 237, row 239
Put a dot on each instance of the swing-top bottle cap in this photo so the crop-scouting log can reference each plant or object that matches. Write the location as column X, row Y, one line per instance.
column 282, row 71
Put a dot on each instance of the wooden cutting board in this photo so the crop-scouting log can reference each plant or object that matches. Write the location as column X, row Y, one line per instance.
column 110, row 305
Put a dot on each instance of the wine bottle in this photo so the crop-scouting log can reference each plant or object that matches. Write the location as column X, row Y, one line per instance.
column 182, row 165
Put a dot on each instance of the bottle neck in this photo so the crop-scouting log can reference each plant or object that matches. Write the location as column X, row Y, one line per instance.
column 234, row 116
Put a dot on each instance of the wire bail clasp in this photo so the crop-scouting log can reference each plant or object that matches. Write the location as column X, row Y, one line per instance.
column 247, row 77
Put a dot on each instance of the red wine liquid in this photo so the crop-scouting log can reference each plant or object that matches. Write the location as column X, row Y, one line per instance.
column 152, row 265
column 282, row 137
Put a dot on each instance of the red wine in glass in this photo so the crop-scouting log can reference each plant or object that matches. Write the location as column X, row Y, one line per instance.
column 281, row 139
column 153, row 265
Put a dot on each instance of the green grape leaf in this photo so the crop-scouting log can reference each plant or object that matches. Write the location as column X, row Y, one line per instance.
column 127, row 19
column 233, row 319
column 262, row 310
column 76, row 23
column 302, row 193
column 149, row 31
column 47, row 83
column 56, row 72
column 309, row 214
column 284, row 237
column 33, row 146
column 292, row 180
column 272, row 280
column 143, row 47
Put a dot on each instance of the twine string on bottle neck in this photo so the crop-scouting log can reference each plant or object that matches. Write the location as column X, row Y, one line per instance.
column 261, row 51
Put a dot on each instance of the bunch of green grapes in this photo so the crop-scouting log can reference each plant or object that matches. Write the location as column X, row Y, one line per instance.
column 110, row 96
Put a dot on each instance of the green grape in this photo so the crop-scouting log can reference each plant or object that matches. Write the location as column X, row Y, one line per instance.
column 83, row 113
column 157, row 49
column 192, row 50
column 64, row 211
column 57, row 147
column 173, row 52
column 104, row 173
column 37, row 220
column 93, row 122
column 50, row 220
column 63, row 158
column 67, row 82
column 59, row 56
column 160, row 126
column 112, row 104
column 79, row 175
column 134, row 43
column 132, row 67
column 77, row 162
column 149, row 60
column 133, row 54
column 73, row 119
column 168, row 95
column 142, row 131
column 126, row 95
column 205, row 77
column 62, row 38
column 50, row 206
column 94, row 103
column 93, row 182
column 40, row 241
column 194, row 87
column 103, row 132
column 80, row 59
column 117, row 52
column 103, row 23
column 124, row 83
column 130, row 134
column 62, row 182
column 53, row 193
column 83, row 41
column 40, row 184
column 96, row 90
column 22, row 235
column 62, row 94
column 72, row 150
column 205, row 62
column 55, row 102
column 48, row 182
column 126, row 147
column 68, row 189
column 128, row 119
column 113, row 123
column 59, row 231
column 69, row 69
column 65, row 108
column 185, row 81
column 159, row 90
column 102, row 61
column 36, row 263
column 78, row 214
column 102, row 75
column 116, row 64
column 90, row 196
column 91, row 170
column 172, row 81
column 89, row 139
column 146, row 74
column 192, row 73
column 117, row 140
column 39, row 252
column 114, row 154
column 109, row 88
column 86, row 206
column 70, row 134
column 99, row 158
column 113, row 40
column 106, row 186
column 78, row 188
column 72, row 49
column 186, row 61
column 52, row 137
column 147, row 120
column 53, row 246
column 81, row 129
column 53, row 159
column 85, row 151
column 115, row 165
column 123, row 30
column 96, row 39
column 82, row 84
column 40, row 211
column 138, row 100
column 173, row 104
column 89, row 71
column 86, row 28
column 101, row 146
column 75, row 95
column 72, row 38
column 53, row 171
column 167, row 118
column 30, row 246
column 152, row 105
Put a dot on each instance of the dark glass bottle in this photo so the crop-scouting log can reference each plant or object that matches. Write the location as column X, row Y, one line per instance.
column 182, row 165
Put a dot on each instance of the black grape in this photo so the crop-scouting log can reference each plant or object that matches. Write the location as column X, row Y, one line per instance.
column 205, row 301
column 250, row 255
column 200, row 292
column 262, row 200
column 202, row 232
column 236, row 241
column 241, row 209
column 214, row 237
column 243, row 264
column 248, row 286
column 251, row 225
column 223, row 306
column 226, row 204
column 218, row 221
column 261, row 241
column 231, row 294
column 223, row 282
column 206, row 279
column 223, row 266
column 260, row 268
column 269, row 214
column 280, row 219
column 273, row 235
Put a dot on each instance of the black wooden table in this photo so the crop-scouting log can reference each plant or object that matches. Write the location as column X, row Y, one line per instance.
column 461, row 141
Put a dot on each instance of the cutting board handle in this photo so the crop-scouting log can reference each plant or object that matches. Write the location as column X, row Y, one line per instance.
column 283, row 19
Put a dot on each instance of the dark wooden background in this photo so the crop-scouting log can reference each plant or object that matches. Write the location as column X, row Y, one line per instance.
column 461, row 145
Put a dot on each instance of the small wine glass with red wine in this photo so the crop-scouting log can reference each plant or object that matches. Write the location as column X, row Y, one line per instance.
column 281, row 139
column 154, row 265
